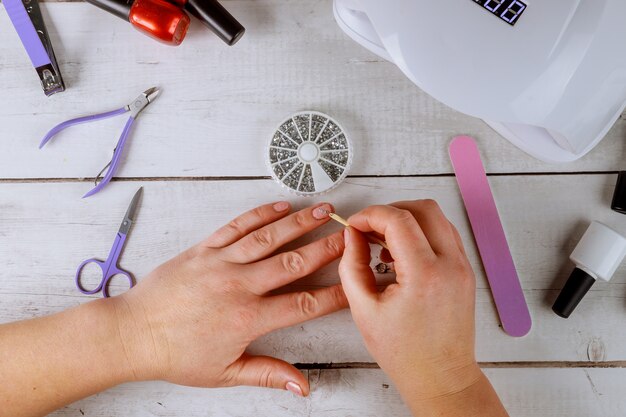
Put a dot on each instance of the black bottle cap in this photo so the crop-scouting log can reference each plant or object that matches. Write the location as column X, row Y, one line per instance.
column 619, row 196
column 575, row 290
column 120, row 8
column 216, row 18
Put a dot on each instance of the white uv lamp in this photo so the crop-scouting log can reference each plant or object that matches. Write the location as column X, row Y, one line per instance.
column 548, row 75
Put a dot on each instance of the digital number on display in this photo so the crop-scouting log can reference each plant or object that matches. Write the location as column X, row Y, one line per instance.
column 508, row 10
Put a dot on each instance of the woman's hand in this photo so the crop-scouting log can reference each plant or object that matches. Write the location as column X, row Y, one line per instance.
column 189, row 322
column 421, row 329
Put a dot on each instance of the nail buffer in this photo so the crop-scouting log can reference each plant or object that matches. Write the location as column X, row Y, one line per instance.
column 29, row 24
column 489, row 234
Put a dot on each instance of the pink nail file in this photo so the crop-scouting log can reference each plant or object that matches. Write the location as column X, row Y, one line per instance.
column 489, row 234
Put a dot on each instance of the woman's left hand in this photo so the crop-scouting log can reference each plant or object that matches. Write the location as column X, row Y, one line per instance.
column 191, row 319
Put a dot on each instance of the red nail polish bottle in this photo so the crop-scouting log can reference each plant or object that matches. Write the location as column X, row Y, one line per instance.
column 158, row 19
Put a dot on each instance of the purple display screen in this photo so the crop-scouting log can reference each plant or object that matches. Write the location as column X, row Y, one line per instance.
column 508, row 10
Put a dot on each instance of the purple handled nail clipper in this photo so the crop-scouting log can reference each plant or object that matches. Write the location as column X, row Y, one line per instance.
column 135, row 107
column 29, row 24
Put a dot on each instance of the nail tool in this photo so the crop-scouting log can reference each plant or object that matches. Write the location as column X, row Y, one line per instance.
column 28, row 22
column 109, row 267
column 490, row 238
column 371, row 237
column 543, row 74
column 135, row 108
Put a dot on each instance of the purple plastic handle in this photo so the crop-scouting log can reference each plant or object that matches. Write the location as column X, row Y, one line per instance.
column 109, row 268
column 115, row 160
column 27, row 32
column 77, row 121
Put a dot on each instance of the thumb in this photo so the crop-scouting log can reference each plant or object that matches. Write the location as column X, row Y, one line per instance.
column 357, row 278
column 268, row 372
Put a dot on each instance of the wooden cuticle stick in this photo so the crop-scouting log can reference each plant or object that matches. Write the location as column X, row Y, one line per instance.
column 343, row 221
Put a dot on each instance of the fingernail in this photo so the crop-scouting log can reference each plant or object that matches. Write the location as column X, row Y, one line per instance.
column 294, row 388
column 281, row 206
column 322, row 211
column 346, row 236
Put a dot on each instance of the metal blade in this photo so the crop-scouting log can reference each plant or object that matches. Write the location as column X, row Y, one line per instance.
column 143, row 101
column 152, row 93
column 131, row 213
column 134, row 204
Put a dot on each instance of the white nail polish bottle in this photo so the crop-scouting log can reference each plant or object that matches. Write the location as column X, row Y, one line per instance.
column 597, row 256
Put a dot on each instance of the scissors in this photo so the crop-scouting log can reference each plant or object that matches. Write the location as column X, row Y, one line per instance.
column 109, row 267
column 134, row 108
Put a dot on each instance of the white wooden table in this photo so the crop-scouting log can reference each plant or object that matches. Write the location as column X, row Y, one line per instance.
column 198, row 151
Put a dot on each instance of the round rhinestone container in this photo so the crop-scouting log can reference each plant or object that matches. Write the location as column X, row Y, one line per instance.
column 309, row 153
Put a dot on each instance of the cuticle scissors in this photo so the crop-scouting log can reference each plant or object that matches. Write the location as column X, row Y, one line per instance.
column 110, row 267
column 135, row 108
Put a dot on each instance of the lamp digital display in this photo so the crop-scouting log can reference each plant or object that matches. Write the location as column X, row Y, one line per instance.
column 507, row 10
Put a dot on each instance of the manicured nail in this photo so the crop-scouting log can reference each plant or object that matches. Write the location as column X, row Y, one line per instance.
column 281, row 206
column 346, row 236
column 321, row 212
column 294, row 388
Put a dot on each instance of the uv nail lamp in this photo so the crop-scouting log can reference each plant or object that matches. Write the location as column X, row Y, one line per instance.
column 548, row 75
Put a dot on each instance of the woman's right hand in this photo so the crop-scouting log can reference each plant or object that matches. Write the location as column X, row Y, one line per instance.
column 420, row 329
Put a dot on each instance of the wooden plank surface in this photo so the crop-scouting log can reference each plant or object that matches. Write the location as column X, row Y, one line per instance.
column 220, row 104
column 365, row 393
column 218, row 108
column 46, row 230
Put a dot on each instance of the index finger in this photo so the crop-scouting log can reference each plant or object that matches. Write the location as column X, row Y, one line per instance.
column 246, row 223
column 403, row 234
